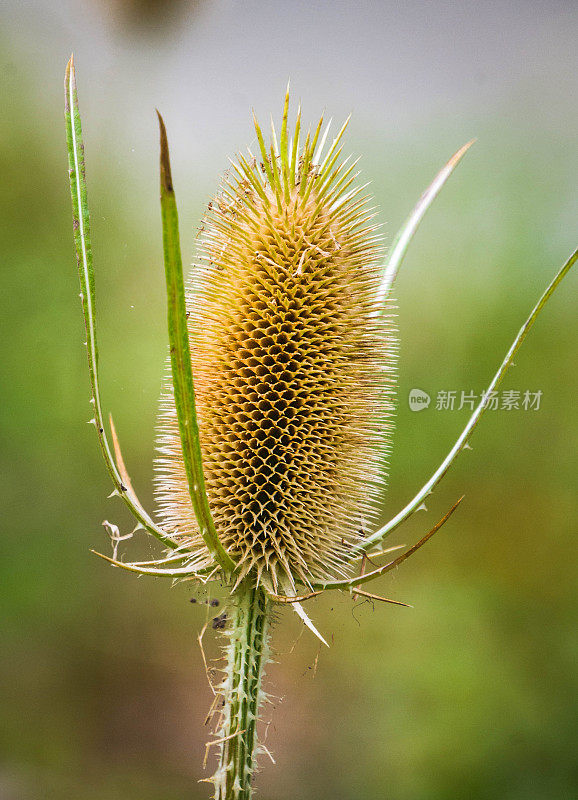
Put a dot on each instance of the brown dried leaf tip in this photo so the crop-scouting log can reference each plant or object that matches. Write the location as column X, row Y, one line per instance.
column 293, row 365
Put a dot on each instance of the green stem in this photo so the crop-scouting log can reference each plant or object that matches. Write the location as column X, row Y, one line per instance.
column 246, row 654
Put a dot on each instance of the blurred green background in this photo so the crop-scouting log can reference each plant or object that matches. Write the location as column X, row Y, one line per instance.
column 470, row 694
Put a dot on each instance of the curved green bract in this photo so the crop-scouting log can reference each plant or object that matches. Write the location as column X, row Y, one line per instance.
column 414, row 504
column 406, row 232
column 81, row 224
column 182, row 371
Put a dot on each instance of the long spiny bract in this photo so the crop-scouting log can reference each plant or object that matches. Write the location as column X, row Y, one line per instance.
column 293, row 369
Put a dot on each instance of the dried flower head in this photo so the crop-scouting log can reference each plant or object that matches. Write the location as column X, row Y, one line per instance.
column 293, row 366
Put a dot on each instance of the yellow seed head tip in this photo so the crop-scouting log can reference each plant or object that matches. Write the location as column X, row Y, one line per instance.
column 293, row 372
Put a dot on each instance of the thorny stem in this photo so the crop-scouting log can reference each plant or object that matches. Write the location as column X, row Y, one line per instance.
column 246, row 654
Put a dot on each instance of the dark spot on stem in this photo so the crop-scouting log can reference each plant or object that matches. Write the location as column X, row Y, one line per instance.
column 219, row 622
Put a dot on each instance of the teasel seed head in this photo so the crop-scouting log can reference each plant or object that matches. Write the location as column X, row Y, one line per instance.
column 293, row 364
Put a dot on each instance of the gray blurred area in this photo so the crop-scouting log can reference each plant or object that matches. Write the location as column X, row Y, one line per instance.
column 470, row 694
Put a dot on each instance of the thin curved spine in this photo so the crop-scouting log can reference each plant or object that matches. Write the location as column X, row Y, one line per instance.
column 141, row 568
column 351, row 583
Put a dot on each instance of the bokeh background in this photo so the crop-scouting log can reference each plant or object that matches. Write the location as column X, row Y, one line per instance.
column 470, row 694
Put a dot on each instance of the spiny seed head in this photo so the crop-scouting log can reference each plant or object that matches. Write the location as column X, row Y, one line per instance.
column 293, row 366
